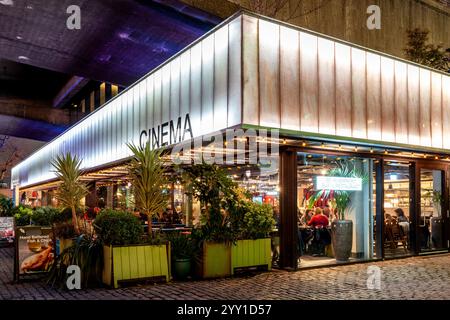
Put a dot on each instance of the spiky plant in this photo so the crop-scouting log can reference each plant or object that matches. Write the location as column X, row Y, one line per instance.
column 71, row 190
column 147, row 173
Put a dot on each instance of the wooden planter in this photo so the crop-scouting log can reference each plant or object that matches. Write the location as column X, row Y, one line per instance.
column 215, row 261
column 135, row 263
column 251, row 253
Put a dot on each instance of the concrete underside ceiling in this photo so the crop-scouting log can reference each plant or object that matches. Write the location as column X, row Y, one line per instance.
column 119, row 41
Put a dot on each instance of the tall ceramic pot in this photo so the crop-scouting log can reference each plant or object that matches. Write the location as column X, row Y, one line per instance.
column 342, row 239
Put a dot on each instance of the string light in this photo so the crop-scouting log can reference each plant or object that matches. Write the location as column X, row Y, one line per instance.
column 303, row 144
column 371, row 150
column 356, row 149
column 385, row 151
column 284, row 141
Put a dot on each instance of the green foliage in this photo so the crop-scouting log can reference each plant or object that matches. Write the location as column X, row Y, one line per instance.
column 181, row 246
column 118, row 227
column 65, row 215
column 219, row 198
column 45, row 216
column 87, row 253
column 22, row 215
column 258, row 221
column 72, row 189
column 6, row 206
column 147, row 173
column 436, row 197
column 419, row 50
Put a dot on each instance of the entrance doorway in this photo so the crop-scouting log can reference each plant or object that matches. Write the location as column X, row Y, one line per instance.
column 432, row 215
column 398, row 212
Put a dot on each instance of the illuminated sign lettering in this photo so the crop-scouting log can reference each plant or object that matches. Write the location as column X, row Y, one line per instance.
column 338, row 183
column 168, row 133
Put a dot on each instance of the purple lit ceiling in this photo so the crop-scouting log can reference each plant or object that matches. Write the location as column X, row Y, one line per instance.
column 119, row 40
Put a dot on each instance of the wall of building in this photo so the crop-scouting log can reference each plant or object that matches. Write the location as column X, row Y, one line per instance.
column 295, row 80
column 346, row 19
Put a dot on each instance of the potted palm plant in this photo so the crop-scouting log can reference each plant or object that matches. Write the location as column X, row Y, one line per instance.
column 341, row 227
column 130, row 258
column 149, row 179
column 71, row 190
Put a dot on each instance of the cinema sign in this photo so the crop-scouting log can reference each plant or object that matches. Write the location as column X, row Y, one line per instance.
column 168, row 133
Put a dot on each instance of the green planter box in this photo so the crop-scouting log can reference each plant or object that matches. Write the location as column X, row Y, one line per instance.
column 215, row 261
column 134, row 263
column 251, row 253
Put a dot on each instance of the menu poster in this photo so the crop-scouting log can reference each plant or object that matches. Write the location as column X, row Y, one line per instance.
column 6, row 230
column 34, row 250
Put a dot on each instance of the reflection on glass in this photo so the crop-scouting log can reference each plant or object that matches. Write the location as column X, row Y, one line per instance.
column 397, row 209
column 431, row 220
column 321, row 178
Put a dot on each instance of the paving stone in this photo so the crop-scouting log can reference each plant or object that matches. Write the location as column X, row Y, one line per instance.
column 412, row 278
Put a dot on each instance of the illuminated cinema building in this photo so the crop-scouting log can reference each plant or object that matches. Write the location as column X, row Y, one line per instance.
column 334, row 104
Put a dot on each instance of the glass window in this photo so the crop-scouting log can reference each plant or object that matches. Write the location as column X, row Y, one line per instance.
column 335, row 208
column 397, row 216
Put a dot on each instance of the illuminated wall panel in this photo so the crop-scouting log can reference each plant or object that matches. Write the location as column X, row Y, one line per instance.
column 343, row 90
column 289, row 78
column 268, row 52
column 197, row 82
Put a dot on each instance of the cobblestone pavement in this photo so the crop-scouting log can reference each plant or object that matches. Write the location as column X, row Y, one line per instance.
column 411, row 278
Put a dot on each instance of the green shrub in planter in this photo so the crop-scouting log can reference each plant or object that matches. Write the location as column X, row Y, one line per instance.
column 65, row 215
column 258, row 221
column 126, row 256
column 44, row 216
column 22, row 215
column 182, row 253
column 118, row 227
column 253, row 249
column 6, row 206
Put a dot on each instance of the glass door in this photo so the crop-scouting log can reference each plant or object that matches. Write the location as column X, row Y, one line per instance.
column 433, row 210
column 397, row 211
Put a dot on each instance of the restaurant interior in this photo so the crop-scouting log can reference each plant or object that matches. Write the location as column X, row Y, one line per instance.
column 110, row 188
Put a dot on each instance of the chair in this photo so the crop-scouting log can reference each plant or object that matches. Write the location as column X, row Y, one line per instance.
column 398, row 236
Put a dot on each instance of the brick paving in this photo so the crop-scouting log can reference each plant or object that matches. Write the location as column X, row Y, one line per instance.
column 412, row 278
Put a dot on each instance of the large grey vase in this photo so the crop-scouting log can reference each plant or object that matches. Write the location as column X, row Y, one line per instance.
column 342, row 231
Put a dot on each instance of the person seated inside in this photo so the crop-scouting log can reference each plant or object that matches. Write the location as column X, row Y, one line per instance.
column 176, row 218
column 402, row 220
column 319, row 220
column 401, row 215
column 306, row 217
